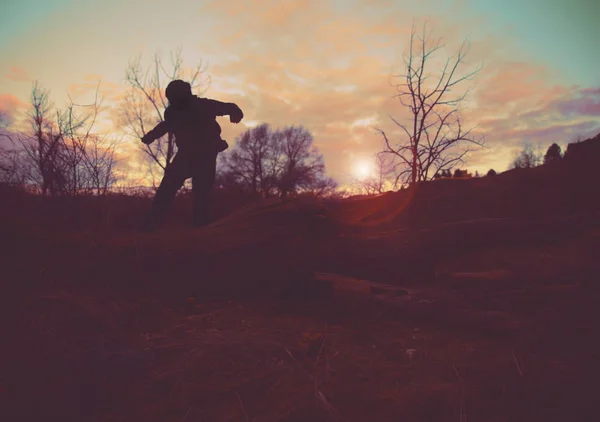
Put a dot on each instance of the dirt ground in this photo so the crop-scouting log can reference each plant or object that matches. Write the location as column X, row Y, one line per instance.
column 254, row 318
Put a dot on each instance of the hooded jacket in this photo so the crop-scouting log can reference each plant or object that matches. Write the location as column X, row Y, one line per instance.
column 195, row 126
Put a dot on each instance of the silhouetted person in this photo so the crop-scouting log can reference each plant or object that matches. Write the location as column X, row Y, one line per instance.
column 193, row 122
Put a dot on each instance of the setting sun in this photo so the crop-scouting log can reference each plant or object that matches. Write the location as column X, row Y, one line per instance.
column 363, row 169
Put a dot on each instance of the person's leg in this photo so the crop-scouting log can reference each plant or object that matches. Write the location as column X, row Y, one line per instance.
column 173, row 179
column 202, row 183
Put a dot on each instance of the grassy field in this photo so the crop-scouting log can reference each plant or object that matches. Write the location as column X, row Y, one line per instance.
column 268, row 314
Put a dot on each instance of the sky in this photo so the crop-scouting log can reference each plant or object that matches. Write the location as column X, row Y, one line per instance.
column 323, row 64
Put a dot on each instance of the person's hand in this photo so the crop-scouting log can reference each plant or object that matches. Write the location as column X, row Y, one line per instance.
column 236, row 117
column 147, row 140
column 222, row 146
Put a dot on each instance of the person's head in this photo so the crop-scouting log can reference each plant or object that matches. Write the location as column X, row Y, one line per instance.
column 178, row 93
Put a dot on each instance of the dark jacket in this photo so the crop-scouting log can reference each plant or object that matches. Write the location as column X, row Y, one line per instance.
column 194, row 126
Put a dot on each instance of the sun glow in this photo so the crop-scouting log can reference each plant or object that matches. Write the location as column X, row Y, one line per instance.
column 363, row 169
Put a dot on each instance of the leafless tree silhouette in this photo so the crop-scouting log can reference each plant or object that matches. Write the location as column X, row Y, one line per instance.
column 281, row 162
column 384, row 178
column 41, row 145
column 11, row 164
column 145, row 103
column 59, row 153
column 528, row 157
column 435, row 138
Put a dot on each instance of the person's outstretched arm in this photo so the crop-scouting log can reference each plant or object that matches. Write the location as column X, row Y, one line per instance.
column 159, row 130
column 224, row 109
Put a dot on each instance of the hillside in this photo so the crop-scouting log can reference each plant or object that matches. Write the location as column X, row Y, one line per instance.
column 520, row 193
column 265, row 315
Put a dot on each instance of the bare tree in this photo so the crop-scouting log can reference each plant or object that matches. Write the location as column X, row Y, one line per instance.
column 92, row 155
column 384, row 178
column 435, row 138
column 281, row 162
column 60, row 154
column 325, row 187
column 12, row 171
column 145, row 102
column 100, row 161
column 41, row 145
column 9, row 160
column 528, row 157
column 251, row 164
column 34, row 154
column 302, row 166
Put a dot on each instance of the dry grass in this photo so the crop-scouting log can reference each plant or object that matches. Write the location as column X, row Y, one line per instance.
column 148, row 361
column 112, row 325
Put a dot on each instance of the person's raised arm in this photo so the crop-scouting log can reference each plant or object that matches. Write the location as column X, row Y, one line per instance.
column 225, row 109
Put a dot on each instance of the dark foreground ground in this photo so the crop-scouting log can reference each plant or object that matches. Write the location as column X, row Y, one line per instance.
column 261, row 316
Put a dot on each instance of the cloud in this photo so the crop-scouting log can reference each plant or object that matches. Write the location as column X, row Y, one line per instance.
column 10, row 103
column 327, row 67
column 337, row 73
column 548, row 115
column 585, row 102
column 309, row 95
column 549, row 112
column 11, row 106
column 515, row 101
column 18, row 74
column 86, row 90
column 308, row 63
column 322, row 79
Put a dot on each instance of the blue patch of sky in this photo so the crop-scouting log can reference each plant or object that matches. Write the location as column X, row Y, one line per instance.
column 17, row 17
column 562, row 34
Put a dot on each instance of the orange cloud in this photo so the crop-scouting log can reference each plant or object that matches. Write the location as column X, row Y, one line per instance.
column 327, row 101
column 10, row 103
column 326, row 78
column 328, row 68
column 512, row 86
column 541, row 116
column 107, row 90
column 18, row 74
column 10, row 107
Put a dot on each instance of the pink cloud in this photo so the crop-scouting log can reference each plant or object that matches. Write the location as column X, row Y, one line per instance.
column 307, row 63
column 519, row 101
column 11, row 103
column 325, row 78
column 11, row 106
column 18, row 74
column 552, row 114
column 584, row 103
column 510, row 86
